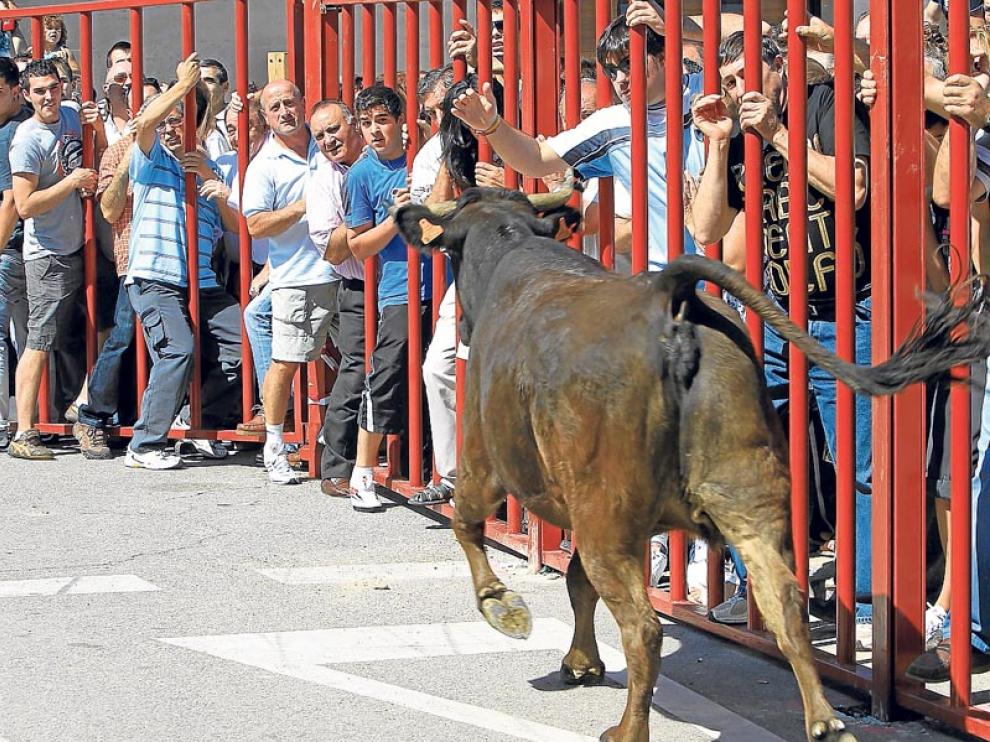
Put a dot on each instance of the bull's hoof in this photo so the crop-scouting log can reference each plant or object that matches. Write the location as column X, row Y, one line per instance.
column 592, row 675
column 832, row 730
column 508, row 613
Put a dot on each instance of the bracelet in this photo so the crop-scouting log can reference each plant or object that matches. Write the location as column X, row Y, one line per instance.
column 491, row 129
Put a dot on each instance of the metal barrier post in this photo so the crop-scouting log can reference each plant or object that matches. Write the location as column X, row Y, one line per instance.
column 192, row 223
column 241, row 38
column 606, row 189
column 89, row 160
column 331, row 52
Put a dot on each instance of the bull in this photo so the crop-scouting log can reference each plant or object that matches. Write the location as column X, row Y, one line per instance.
column 622, row 407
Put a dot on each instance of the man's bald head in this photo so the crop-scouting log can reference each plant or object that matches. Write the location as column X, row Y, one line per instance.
column 282, row 104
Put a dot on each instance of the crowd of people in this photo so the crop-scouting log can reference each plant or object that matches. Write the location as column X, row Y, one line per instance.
column 317, row 199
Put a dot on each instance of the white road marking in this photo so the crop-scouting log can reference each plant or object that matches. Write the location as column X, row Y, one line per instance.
column 338, row 574
column 308, row 655
column 85, row 585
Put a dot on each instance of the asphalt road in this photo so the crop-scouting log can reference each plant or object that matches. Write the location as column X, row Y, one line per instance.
column 203, row 604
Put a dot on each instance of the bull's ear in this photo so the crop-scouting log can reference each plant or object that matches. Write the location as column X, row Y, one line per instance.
column 420, row 227
column 558, row 224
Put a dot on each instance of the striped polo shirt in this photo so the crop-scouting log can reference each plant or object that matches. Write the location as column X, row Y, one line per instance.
column 158, row 235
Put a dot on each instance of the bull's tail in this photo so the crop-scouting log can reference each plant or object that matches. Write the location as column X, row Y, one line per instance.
column 933, row 348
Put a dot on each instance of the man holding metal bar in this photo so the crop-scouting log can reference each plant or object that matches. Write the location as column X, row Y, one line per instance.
column 158, row 274
column 600, row 145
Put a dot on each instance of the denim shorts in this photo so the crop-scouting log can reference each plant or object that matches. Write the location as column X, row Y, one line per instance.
column 53, row 282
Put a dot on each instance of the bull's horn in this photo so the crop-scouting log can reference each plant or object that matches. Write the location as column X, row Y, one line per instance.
column 548, row 201
column 442, row 208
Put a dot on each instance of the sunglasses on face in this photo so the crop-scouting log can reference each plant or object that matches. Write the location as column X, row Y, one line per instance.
column 498, row 26
column 612, row 70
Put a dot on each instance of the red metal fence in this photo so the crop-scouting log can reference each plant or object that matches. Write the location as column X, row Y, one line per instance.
column 541, row 52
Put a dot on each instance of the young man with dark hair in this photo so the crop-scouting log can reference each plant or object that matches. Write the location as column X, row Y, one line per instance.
column 158, row 280
column 600, row 145
column 216, row 80
column 119, row 52
column 46, row 159
column 13, row 294
column 375, row 184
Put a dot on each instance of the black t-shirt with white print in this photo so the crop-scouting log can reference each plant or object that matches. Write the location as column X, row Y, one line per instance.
column 821, row 210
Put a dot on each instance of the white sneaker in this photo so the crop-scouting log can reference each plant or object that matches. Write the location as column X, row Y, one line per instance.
column 935, row 617
column 279, row 471
column 207, row 449
column 156, row 459
column 366, row 500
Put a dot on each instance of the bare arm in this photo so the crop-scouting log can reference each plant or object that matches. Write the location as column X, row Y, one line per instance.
column 338, row 249
column 8, row 218
column 146, row 126
column 942, row 175
column 367, row 241
column 114, row 198
column 31, row 202
column 712, row 215
column 821, row 170
column 270, row 223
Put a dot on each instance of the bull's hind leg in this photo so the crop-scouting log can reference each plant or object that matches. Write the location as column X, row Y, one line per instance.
column 476, row 500
column 760, row 538
column 613, row 562
column 582, row 665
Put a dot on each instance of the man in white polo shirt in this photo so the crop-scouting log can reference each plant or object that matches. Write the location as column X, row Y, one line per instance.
column 303, row 284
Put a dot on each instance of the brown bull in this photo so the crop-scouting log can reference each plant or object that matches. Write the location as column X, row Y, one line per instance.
column 624, row 407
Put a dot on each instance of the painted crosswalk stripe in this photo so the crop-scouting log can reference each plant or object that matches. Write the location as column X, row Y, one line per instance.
column 83, row 585
column 339, row 574
column 310, row 655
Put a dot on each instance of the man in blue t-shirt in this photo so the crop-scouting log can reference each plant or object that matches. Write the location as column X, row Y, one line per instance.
column 375, row 184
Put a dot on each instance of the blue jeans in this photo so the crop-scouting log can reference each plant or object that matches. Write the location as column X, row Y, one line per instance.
column 980, row 579
column 104, row 380
column 258, row 324
column 822, row 385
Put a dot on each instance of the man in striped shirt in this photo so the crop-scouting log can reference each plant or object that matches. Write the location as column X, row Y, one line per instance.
column 158, row 274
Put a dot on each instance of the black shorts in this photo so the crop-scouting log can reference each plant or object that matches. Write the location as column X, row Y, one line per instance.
column 385, row 395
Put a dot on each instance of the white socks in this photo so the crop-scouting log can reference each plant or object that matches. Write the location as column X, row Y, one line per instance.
column 363, row 478
column 273, row 442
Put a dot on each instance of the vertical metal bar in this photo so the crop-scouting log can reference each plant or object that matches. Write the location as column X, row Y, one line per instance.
column 312, row 82
column 137, row 59
column 458, row 14
column 292, row 40
column 961, row 504
column 415, row 423
column 89, row 160
column 908, row 280
column 37, row 37
column 484, row 29
column 712, row 15
column 390, row 64
column 347, row 71
column 331, row 51
column 527, row 49
column 797, row 255
column 437, row 46
column 242, row 62
column 882, row 326
column 192, row 221
column 571, row 39
column 368, row 46
column 845, row 298
column 639, row 151
column 606, row 190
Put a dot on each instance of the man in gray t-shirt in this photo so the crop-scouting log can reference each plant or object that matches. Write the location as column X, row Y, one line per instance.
column 45, row 160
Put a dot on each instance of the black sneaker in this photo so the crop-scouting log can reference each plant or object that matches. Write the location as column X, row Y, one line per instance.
column 933, row 666
column 435, row 494
column 4, row 438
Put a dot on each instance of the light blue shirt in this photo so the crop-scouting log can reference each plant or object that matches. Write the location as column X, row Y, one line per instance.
column 158, row 234
column 600, row 146
column 277, row 178
column 227, row 164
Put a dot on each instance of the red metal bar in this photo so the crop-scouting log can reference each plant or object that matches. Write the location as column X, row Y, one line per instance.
column 484, row 29
column 606, row 191
column 527, row 69
column 797, row 255
column 882, row 325
column 192, row 222
column 415, row 422
column 369, row 43
column 510, row 64
column 313, row 53
column 909, row 429
column 712, row 14
column 639, row 151
column 437, row 44
column 37, row 36
column 571, row 40
column 389, row 18
column 368, row 46
column 961, row 504
column 331, row 51
column 347, row 71
column 92, row 6
column 89, row 160
column 458, row 14
column 845, row 297
column 753, row 56
column 292, row 40
column 137, row 60
column 242, row 63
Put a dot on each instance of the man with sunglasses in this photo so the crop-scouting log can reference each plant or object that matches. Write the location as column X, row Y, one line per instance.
column 600, row 145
